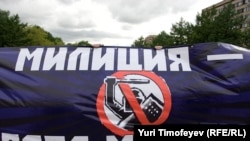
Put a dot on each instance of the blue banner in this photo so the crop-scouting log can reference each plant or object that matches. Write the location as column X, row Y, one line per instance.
column 99, row 94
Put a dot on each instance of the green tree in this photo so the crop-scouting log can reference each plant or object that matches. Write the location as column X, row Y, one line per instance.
column 181, row 32
column 228, row 25
column 245, row 40
column 224, row 25
column 163, row 39
column 203, row 30
column 218, row 26
column 55, row 40
column 83, row 43
column 39, row 37
column 139, row 42
column 80, row 43
column 12, row 31
column 58, row 41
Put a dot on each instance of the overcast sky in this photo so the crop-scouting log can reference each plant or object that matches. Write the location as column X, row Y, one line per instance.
column 110, row 22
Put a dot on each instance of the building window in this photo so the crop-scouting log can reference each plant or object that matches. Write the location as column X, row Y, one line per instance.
column 247, row 16
column 245, row 25
column 245, row 9
column 248, row 8
column 240, row 11
column 239, row 3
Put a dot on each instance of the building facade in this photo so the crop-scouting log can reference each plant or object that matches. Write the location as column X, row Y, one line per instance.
column 149, row 39
column 241, row 6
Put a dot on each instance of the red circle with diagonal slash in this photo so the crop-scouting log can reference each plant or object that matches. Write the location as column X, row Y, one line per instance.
column 133, row 102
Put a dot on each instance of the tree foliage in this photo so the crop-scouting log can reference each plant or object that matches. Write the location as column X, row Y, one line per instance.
column 203, row 31
column 140, row 42
column 211, row 25
column 181, row 32
column 246, row 38
column 219, row 26
column 12, row 31
column 37, row 36
column 80, row 43
column 83, row 43
column 163, row 39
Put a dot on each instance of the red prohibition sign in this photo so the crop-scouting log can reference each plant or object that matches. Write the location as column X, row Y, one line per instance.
column 128, row 94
